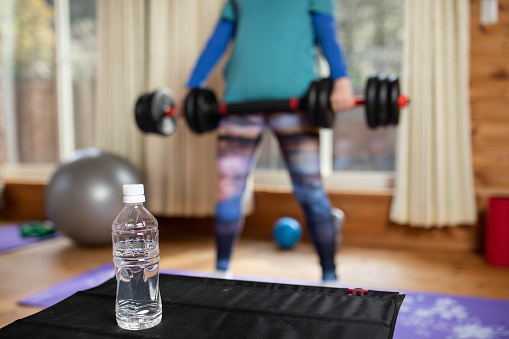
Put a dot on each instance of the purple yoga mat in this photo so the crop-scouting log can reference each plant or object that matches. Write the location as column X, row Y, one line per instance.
column 422, row 315
column 66, row 288
column 11, row 239
column 432, row 315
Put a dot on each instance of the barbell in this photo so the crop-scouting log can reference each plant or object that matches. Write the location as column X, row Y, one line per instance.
column 154, row 112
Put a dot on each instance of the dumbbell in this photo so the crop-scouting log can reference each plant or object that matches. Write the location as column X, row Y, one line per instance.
column 154, row 112
column 202, row 110
column 382, row 100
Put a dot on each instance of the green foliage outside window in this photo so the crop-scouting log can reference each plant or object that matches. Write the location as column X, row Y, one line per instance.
column 371, row 34
column 34, row 39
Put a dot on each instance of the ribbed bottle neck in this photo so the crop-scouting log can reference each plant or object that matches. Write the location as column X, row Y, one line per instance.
column 130, row 204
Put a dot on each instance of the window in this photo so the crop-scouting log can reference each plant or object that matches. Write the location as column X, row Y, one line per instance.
column 49, row 67
column 49, row 55
column 371, row 36
column 29, row 80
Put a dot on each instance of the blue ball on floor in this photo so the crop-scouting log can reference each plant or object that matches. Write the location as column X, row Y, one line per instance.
column 286, row 232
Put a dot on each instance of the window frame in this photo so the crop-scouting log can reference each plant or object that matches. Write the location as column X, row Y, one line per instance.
column 65, row 95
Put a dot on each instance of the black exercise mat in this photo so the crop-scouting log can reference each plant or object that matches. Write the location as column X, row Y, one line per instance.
column 216, row 308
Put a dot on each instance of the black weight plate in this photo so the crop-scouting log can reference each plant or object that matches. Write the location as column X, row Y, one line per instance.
column 311, row 104
column 324, row 113
column 141, row 114
column 383, row 100
column 394, row 94
column 190, row 108
column 196, row 111
column 147, row 106
column 206, row 114
column 371, row 101
column 150, row 122
column 162, row 100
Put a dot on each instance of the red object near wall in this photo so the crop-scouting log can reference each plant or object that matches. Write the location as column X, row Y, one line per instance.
column 497, row 232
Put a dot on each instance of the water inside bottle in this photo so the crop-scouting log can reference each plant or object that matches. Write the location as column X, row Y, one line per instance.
column 136, row 258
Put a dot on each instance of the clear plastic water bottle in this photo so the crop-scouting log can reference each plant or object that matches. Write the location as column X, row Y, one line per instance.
column 136, row 257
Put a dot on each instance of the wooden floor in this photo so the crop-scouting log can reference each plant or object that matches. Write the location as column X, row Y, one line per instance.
column 26, row 271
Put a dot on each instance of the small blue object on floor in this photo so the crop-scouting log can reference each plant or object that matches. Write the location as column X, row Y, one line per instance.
column 287, row 232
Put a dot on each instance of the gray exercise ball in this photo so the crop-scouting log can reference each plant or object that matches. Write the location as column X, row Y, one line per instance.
column 85, row 195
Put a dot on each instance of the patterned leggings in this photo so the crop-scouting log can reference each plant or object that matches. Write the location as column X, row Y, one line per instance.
column 239, row 137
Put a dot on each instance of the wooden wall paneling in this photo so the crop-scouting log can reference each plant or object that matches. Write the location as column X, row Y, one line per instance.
column 498, row 42
column 492, row 157
column 485, row 70
column 366, row 223
column 494, row 110
column 499, row 53
column 493, row 175
column 458, row 238
column 500, row 28
column 488, row 90
column 366, row 213
column 503, row 11
column 489, row 94
column 488, row 134
column 23, row 202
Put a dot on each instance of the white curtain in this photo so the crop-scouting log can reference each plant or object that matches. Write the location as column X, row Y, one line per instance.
column 434, row 185
column 120, row 77
column 146, row 44
column 3, row 149
column 181, row 173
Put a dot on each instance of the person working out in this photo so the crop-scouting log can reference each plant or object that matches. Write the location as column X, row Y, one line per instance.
column 274, row 56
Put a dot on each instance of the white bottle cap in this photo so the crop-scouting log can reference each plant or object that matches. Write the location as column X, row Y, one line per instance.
column 134, row 193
